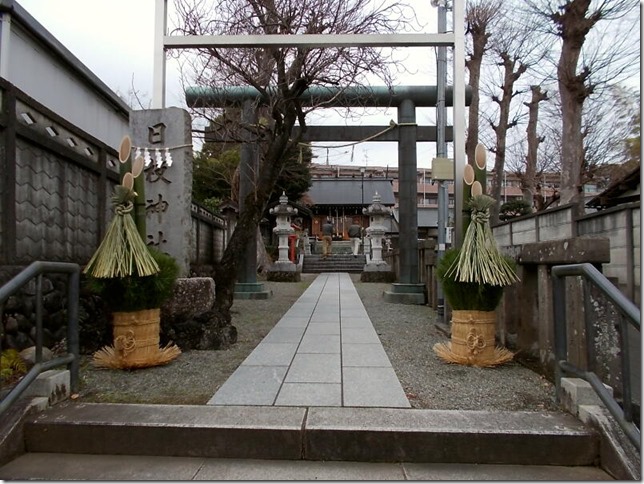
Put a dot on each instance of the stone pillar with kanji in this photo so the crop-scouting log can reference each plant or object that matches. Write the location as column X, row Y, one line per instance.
column 164, row 138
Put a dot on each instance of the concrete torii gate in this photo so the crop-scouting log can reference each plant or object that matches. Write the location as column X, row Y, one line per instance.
column 406, row 109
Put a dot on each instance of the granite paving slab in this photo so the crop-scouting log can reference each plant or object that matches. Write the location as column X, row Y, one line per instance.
column 251, row 385
column 315, row 368
column 310, row 394
column 323, row 352
column 372, row 387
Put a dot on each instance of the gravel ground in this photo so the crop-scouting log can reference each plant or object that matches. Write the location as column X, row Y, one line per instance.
column 407, row 333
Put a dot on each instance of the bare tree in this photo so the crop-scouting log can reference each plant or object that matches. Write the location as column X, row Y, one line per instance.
column 573, row 22
column 479, row 19
column 512, row 70
column 514, row 50
column 529, row 180
column 280, row 76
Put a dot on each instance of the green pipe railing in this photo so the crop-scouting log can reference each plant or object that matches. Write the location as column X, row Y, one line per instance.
column 72, row 359
column 629, row 314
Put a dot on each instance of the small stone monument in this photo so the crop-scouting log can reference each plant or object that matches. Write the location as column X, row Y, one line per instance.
column 376, row 269
column 283, row 270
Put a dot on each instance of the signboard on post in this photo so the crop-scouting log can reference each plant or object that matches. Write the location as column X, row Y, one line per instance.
column 442, row 169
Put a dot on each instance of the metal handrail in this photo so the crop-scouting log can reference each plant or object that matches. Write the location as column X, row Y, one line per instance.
column 71, row 359
column 629, row 314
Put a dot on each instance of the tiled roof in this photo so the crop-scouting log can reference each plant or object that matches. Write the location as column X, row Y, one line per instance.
column 348, row 191
column 623, row 190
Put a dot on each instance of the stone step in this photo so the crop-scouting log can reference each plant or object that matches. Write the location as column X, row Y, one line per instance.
column 339, row 247
column 334, row 263
column 76, row 467
column 313, row 434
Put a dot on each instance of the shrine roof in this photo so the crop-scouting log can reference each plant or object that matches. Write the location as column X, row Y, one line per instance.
column 349, row 191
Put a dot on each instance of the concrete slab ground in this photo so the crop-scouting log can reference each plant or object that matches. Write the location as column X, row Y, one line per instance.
column 141, row 468
column 323, row 352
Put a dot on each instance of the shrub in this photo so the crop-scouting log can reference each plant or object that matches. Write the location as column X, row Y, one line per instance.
column 134, row 293
column 515, row 208
column 468, row 295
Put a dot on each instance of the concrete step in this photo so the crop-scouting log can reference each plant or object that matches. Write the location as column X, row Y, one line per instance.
column 338, row 247
column 314, row 434
column 334, row 263
column 68, row 467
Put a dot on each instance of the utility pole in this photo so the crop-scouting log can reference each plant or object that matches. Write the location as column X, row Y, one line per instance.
column 441, row 145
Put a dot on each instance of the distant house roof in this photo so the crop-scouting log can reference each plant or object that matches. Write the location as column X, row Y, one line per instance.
column 349, row 191
column 622, row 190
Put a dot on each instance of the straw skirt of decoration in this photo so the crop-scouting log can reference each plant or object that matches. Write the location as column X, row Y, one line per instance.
column 136, row 342
column 473, row 340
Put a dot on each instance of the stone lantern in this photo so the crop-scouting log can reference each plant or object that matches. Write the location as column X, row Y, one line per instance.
column 283, row 212
column 376, row 233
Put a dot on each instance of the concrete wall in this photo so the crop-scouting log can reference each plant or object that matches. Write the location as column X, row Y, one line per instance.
column 45, row 70
column 555, row 224
column 208, row 237
column 58, row 155
column 621, row 225
column 610, row 240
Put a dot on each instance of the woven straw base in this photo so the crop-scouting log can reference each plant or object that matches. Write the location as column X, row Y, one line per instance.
column 499, row 357
column 108, row 357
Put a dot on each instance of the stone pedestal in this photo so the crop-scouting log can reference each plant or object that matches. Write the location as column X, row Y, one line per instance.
column 406, row 293
column 283, row 272
column 251, row 290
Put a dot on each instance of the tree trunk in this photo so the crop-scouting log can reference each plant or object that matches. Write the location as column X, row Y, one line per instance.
column 530, row 180
column 509, row 78
column 474, row 66
column 478, row 17
column 253, row 209
column 263, row 259
column 573, row 26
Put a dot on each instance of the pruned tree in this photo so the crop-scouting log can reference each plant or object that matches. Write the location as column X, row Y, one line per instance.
column 479, row 20
column 512, row 68
column 280, row 76
column 514, row 50
column 585, row 65
column 529, row 179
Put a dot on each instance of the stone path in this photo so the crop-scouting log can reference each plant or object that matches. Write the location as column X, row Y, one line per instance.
column 323, row 352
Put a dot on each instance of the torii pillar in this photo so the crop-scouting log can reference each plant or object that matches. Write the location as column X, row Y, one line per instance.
column 247, row 286
column 408, row 290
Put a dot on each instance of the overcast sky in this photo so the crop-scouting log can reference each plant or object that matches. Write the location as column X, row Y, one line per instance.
column 114, row 39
